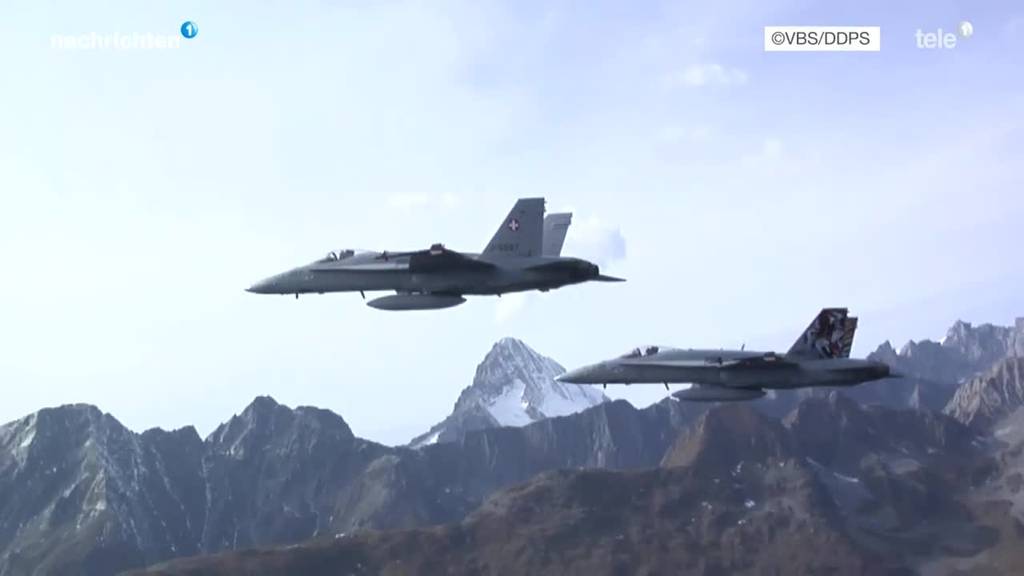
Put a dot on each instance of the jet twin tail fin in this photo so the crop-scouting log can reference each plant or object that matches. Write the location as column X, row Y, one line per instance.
column 521, row 233
column 830, row 335
column 555, row 228
column 846, row 343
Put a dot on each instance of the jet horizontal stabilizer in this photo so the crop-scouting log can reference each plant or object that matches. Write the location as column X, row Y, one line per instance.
column 606, row 278
column 708, row 393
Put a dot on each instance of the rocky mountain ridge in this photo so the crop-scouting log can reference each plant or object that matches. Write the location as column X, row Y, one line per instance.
column 935, row 370
column 738, row 493
column 991, row 396
column 79, row 493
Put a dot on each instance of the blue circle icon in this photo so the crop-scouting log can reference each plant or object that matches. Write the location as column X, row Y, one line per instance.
column 189, row 29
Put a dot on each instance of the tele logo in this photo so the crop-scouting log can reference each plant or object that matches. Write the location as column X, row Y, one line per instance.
column 940, row 40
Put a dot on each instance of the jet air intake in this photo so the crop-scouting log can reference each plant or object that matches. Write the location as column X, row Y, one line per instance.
column 416, row 302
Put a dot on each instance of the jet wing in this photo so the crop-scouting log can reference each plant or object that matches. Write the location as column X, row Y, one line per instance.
column 377, row 264
column 768, row 360
column 764, row 361
column 440, row 259
column 436, row 259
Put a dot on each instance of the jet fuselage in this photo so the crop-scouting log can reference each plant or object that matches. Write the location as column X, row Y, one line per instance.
column 730, row 369
column 376, row 271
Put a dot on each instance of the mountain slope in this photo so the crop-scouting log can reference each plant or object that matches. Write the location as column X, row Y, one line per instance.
column 79, row 493
column 986, row 399
column 671, row 521
column 834, row 489
column 79, row 490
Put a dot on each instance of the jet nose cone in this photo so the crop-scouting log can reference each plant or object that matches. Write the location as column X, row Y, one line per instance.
column 584, row 375
column 567, row 377
column 265, row 286
column 290, row 282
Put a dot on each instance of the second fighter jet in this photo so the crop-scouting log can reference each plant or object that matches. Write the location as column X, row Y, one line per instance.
column 820, row 357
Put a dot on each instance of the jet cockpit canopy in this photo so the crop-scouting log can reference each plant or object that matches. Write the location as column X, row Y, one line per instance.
column 333, row 256
column 642, row 352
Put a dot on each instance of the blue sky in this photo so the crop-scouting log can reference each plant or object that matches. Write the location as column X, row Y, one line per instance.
column 738, row 190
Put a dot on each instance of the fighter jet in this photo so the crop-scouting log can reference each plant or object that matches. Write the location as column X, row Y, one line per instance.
column 820, row 357
column 524, row 254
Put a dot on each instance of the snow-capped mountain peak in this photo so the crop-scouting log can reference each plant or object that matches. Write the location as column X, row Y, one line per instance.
column 513, row 386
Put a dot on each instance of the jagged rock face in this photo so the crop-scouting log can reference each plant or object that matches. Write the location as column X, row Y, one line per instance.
column 730, row 434
column 896, row 482
column 78, row 489
column 986, row 344
column 935, row 370
column 265, row 471
column 985, row 400
column 833, row 434
column 995, row 393
column 965, row 351
column 79, row 493
column 513, row 386
column 611, row 435
column 668, row 521
column 835, row 488
column 839, row 433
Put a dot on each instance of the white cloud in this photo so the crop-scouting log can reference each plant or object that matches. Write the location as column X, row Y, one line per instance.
column 593, row 239
column 699, row 75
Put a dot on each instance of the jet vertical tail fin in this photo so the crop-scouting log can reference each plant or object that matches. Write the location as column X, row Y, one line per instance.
column 830, row 335
column 555, row 228
column 521, row 233
column 846, row 343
